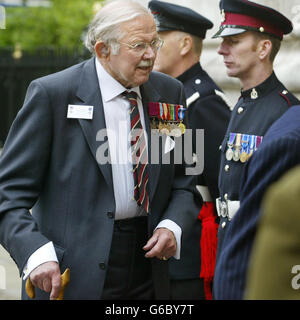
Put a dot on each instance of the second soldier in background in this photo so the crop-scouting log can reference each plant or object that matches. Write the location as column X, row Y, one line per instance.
column 183, row 31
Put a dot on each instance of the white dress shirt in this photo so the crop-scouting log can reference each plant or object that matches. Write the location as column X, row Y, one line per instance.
column 117, row 119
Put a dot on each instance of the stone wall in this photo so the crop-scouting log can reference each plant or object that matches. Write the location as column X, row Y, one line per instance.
column 287, row 63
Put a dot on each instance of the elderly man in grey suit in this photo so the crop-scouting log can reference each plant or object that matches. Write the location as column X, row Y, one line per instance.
column 112, row 221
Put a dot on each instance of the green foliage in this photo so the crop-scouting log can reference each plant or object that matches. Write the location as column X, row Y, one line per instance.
column 60, row 26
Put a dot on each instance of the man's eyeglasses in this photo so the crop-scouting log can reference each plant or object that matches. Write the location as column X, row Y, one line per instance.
column 141, row 47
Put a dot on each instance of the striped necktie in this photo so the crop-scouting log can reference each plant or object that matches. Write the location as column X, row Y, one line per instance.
column 139, row 153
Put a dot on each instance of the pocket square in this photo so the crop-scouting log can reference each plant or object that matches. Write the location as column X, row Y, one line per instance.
column 169, row 144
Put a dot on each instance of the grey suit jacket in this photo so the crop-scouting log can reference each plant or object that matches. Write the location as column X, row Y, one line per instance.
column 49, row 164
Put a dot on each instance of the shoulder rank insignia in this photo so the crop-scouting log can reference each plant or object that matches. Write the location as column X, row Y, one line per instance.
column 225, row 99
column 285, row 95
column 192, row 98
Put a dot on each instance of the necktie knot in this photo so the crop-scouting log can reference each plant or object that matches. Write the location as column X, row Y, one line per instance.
column 132, row 95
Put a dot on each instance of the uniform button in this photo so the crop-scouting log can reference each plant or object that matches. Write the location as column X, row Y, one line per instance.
column 110, row 215
column 240, row 110
column 223, row 225
column 227, row 168
column 197, row 81
column 226, row 196
column 220, row 147
column 102, row 265
column 284, row 92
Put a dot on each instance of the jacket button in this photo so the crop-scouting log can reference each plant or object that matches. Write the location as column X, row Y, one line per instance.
column 110, row 214
column 102, row 265
column 227, row 168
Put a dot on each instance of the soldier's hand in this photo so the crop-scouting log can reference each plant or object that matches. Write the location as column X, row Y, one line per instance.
column 47, row 278
column 162, row 244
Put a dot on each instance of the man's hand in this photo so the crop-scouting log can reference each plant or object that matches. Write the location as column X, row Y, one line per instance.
column 162, row 244
column 47, row 278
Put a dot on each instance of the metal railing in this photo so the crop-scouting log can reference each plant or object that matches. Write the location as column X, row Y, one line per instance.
column 18, row 69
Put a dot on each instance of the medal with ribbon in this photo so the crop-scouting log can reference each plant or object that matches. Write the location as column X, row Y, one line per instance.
column 258, row 141
column 165, row 128
column 181, row 111
column 245, row 142
column 237, row 147
column 251, row 146
column 230, row 142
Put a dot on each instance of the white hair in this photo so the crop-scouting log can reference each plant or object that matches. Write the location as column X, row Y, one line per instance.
column 106, row 24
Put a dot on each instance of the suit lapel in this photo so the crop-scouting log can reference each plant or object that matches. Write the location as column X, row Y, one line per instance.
column 89, row 93
column 149, row 94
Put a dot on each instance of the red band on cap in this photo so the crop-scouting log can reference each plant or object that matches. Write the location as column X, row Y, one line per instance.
column 247, row 21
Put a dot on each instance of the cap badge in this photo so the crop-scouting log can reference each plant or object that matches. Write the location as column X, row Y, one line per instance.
column 223, row 16
column 254, row 94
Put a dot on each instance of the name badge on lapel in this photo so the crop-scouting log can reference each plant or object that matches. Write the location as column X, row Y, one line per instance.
column 80, row 112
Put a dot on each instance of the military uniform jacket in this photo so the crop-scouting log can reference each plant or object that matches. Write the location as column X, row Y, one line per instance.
column 206, row 110
column 254, row 113
column 279, row 152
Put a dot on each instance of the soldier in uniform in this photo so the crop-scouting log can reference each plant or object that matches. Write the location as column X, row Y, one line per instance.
column 252, row 35
column 260, row 247
column 183, row 31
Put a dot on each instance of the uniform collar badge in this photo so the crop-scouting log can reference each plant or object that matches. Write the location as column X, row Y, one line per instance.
column 254, row 94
